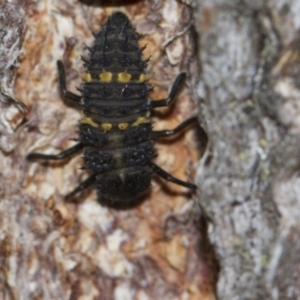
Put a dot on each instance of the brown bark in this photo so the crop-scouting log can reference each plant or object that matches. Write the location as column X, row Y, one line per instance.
column 51, row 249
column 248, row 179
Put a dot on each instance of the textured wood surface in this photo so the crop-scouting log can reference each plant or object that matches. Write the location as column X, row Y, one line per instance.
column 245, row 82
column 249, row 181
column 51, row 249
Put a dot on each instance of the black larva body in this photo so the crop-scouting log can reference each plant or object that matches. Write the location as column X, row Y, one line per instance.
column 119, row 156
column 115, row 132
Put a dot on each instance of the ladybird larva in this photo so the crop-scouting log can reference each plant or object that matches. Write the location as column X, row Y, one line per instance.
column 115, row 132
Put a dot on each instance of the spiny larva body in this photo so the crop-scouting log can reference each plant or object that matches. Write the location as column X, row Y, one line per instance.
column 115, row 132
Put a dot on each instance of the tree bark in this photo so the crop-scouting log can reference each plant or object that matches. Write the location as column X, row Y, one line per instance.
column 54, row 249
column 249, row 179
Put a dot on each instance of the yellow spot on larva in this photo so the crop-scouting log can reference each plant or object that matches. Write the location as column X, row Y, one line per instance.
column 123, row 126
column 140, row 120
column 143, row 77
column 124, row 77
column 88, row 120
column 86, row 77
column 105, row 76
column 106, row 126
column 147, row 115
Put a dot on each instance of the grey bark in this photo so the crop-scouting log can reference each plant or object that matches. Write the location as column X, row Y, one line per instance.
column 249, row 178
column 12, row 27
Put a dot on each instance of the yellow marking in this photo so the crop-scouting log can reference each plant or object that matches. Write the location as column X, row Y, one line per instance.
column 140, row 120
column 105, row 76
column 106, row 126
column 124, row 77
column 143, row 77
column 147, row 115
column 123, row 126
column 87, row 77
column 88, row 120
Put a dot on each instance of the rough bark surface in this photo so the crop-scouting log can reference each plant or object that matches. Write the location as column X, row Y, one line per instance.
column 249, row 187
column 249, row 182
column 12, row 28
column 51, row 249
